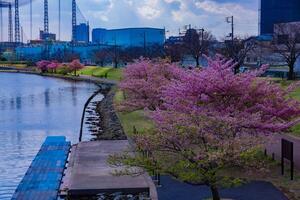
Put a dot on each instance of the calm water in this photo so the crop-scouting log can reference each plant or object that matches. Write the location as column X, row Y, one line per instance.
column 32, row 108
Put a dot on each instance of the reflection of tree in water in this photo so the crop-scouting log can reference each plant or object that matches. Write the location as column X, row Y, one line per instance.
column 19, row 103
column 47, row 97
column 74, row 94
column 12, row 103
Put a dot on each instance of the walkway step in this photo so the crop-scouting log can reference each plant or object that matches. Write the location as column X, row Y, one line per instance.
column 43, row 178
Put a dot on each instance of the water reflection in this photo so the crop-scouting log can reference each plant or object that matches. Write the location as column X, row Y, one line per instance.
column 32, row 108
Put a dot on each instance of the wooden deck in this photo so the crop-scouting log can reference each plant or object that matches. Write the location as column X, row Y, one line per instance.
column 43, row 178
column 89, row 174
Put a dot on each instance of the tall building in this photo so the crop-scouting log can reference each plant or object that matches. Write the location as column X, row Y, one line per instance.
column 129, row 37
column 82, row 33
column 277, row 11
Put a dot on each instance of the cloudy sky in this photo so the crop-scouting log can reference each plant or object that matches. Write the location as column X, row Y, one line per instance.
column 171, row 14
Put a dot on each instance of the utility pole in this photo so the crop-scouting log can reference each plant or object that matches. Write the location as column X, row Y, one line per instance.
column 231, row 21
column 202, row 35
column 59, row 18
column 30, row 19
column 22, row 34
column 115, row 52
column 145, row 44
column 1, row 23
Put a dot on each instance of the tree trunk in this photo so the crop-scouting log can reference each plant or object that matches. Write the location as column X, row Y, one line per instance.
column 291, row 72
column 237, row 69
column 215, row 193
column 197, row 62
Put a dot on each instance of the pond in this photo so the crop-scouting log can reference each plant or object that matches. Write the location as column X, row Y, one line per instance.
column 31, row 108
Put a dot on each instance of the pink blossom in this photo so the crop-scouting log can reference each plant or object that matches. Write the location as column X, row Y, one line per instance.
column 144, row 81
column 75, row 65
column 43, row 65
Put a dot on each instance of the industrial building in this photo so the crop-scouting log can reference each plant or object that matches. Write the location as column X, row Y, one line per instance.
column 129, row 37
column 35, row 52
column 277, row 11
column 82, row 33
column 47, row 36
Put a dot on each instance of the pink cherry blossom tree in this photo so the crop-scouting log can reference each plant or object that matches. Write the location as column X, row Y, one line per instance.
column 53, row 66
column 211, row 120
column 43, row 65
column 143, row 82
column 75, row 65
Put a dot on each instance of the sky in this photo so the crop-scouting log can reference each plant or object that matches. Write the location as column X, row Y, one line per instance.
column 169, row 14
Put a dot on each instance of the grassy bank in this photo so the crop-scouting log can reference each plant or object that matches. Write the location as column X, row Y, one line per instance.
column 135, row 119
column 101, row 72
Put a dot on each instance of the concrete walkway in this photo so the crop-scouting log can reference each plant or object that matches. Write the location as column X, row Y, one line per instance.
column 275, row 147
column 89, row 174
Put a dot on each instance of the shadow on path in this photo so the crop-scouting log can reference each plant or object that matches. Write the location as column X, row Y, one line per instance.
column 174, row 190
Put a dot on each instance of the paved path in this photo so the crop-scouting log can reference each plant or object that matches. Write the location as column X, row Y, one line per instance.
column 174, row 190
column 89, row 174
column 275, row 147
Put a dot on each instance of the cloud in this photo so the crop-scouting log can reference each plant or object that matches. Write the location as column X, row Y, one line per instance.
column 172, row 14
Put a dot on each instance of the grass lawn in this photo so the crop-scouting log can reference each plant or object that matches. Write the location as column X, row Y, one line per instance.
column 296, row 129
column 112, row 73
column 135, row 119
column 18, row 66
column 295, row 95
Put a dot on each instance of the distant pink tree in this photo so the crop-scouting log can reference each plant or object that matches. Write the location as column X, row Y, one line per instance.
column 143, row 82
column 53, row 66
column 43, row 65
column 75, row 65
column 213, row 120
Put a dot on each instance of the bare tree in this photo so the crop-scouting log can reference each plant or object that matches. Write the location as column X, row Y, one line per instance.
column 237, row 50
column 100, row 56
column 69, row 56
column 287, row 43
column 174, row 52
column 197, row 43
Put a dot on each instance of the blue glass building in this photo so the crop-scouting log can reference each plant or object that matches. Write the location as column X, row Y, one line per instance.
column 277, row 11
column 82, row 33
column 129, row 37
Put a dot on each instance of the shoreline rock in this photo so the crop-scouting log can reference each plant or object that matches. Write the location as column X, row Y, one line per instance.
column 109, row 122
